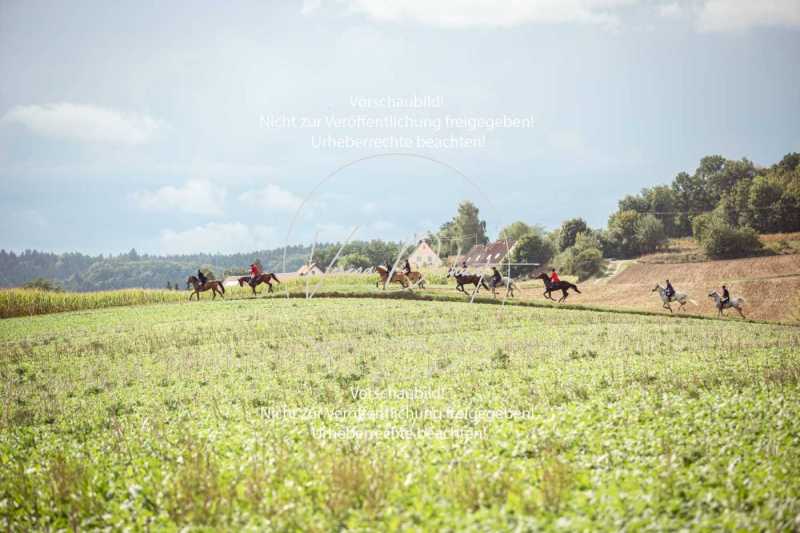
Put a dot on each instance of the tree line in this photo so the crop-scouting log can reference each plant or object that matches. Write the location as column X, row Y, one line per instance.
column 724, row 205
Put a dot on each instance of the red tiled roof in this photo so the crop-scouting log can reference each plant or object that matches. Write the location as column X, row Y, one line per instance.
column 490, row 254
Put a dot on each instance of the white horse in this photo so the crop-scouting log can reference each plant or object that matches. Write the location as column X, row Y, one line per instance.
column 736, row 303
column 506, row 282
column 679, row 297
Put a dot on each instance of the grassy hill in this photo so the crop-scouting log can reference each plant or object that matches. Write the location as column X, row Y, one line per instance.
column 290, row 414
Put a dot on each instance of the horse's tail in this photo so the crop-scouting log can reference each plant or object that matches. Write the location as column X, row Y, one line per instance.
column 274, row 277
column 221, row 287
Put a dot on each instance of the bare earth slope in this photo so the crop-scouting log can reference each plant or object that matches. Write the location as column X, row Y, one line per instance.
column 770, row 285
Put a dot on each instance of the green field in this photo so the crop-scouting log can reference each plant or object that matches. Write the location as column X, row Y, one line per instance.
column 293, row 414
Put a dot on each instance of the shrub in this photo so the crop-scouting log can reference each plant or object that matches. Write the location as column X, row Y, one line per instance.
column 724, row 242
column 584, row 259
column 587, row 263
column 43, row 284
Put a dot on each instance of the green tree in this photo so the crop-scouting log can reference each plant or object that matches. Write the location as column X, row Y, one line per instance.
column 517, row 230
column 702, row 224
column 569, row 230
column 464, row 230
column 622, row 233
column 355, row 260
column 650, row 234
column 531, row 248
column 662, row 202
column 765, row 195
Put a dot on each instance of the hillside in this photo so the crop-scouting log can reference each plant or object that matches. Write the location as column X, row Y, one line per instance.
column 770, row 285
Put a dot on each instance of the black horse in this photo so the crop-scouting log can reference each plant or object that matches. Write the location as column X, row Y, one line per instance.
column 562, row 286
column 467, row 279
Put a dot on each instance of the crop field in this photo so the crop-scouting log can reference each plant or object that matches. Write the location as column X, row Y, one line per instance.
column 276, row 414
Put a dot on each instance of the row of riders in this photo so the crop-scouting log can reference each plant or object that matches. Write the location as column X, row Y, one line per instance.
column 201, row 283
column 721, row 301
column 406, row 276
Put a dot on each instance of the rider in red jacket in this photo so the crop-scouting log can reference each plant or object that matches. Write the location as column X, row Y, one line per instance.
column 554, row 277
column 254, row 272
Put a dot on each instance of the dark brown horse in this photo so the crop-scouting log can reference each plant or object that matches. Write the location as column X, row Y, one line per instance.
column 265, row 277
column 215, row 286
column 467, row 279
column 397, row 277
column 562, row 286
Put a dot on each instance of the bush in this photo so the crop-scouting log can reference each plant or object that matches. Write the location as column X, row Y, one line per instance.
column 584, row 259
column 43, row 284
column 724, row 242
column 588, row 263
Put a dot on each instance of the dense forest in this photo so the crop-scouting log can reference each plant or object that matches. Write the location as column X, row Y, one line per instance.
column 724, row 205
column 79, row 272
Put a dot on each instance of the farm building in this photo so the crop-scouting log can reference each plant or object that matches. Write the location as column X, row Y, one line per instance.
column 310, row 270
column 483, row 255
column 424, row 256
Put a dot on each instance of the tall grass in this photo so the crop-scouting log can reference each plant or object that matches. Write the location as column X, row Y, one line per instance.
column 26, row 302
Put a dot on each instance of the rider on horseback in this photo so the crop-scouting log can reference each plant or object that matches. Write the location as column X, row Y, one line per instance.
column 726, row 297
column 554, row 277
column 669, row 291
column 255, row 272
column 201, row 277
column 497, row 278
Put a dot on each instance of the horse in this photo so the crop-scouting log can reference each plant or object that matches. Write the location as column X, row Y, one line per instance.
column 383, row 277
column 563, row 286
column 215, row 286
column 467, row 279
column 264, row 277
column 416, row 278
column 679, row 297
column 736, row 303
column 506, row 282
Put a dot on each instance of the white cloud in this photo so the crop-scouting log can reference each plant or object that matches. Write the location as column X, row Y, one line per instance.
column 726, row 15
column 369, row 208
column 272, row 197
column 85, row 123
column 214, row 237
column 195, row 196
column 492, row 13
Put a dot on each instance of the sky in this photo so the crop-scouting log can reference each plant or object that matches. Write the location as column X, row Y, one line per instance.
column 183, row 127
